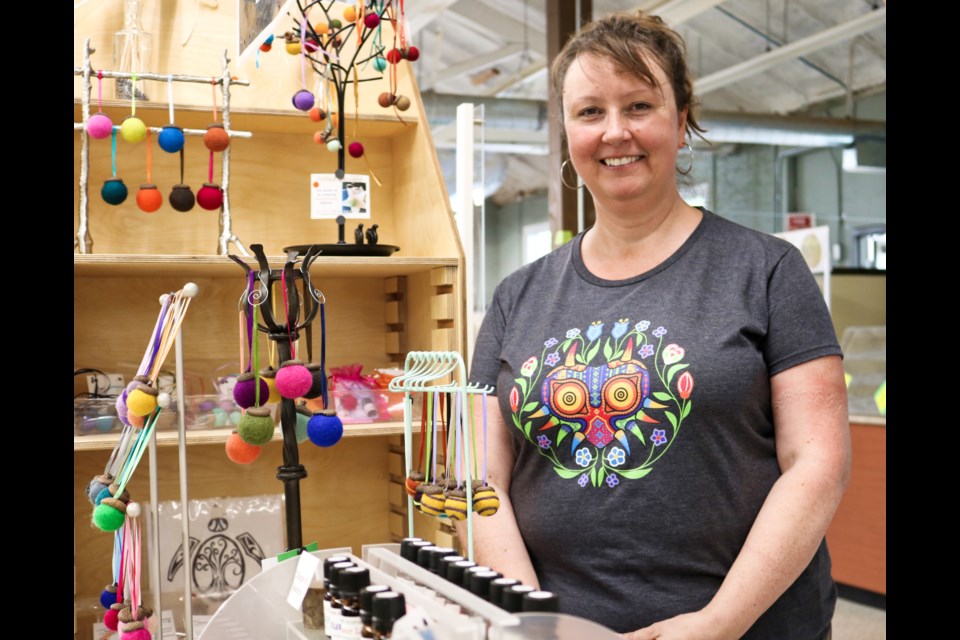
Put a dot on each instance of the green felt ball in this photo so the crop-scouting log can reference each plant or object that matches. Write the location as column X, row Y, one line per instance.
column 301, row 427
column 256, row 428
column 107, row 517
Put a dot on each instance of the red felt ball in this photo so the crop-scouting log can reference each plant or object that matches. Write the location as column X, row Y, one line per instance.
column 385, row 99
column 149, row 198
column 394, row 56
column 240, row 451
column 412, row 53
column 210, row 196
column 348, row 401
column 371, row 20
column 216, row 138
column 266, row 47
column 110, row 620
column 355, row 149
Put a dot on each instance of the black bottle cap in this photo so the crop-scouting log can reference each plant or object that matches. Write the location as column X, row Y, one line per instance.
column 352, row 580
column 405, row 545
column 438, row 554
column 366, row 601
column 423, row 555
column 480, row 582
column 456, row 570
column 465, row 583
column 388, row 607
column 539, row 601
column 329, row 562
column 443, row 566
column 335, row 575
column 495, row 594
column 513, row 597
column 413, row 549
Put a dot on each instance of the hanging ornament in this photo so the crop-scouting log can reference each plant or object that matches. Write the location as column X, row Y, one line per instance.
column 349, row 14
column 240, row 451
column 317, row 114
column 355, row 149
column 216, row 138
column 411, row 53
column 303, row 420
column 149, row 198
column 293, row 379
column 371, row 20
column 210, row 195
column 432, row 500
column 113, row 191
column 99, row 125
column 325, row 428
column 402, row 103
column 256, row 426
column 292, row 44
column 111, row 617
column 132, row 128
column 181, row 197
column 244, row 392
column 171, row 138
column 303, row 99
column 270, row 376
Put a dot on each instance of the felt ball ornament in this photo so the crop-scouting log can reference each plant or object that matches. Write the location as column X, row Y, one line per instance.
column 303, row 100
column 321, row 28
column 320, row 137
column 113, row 191
column 402, row 102
column 394, row 56
column 334, row 145
column 317, row 114
column 242, row 452
column 270, row 375
column 432, row 500
column 293, row 379
column 349, row 14
column 171, row 138
column 319, row 381
column 136, row 421
column 149, row 198
column 455, row 506
column 99, row 126
column 412, row 482
column 126, row 614
column 98, row 484
column 111, row 619
column 325, row 428
column 355, row 149
column 104, row 493
column 216, row 138
column 266, row 46
column 121, row 406
column 133, row 509
column 385, row 99
column 245, row 391
column 142, row 400
column 123, row 497
column 256, row 426
column 133, row 130
column 335, row 24
column 303, row 420
column 181, row 198
column 135, row 630
column 109, row 596
column 210, row 196
column 411, row 53
column 371, row 20
column 310, row 45
column 293, row 47
column 485, row 501
column 109, row 514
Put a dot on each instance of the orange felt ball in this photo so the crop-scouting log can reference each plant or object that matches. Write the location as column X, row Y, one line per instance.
column 317, row 114
column 149, row 198
column 239, row 451
column 321, row 27
column 216, row 138
column 335, row 119
column 319, row 137
column 350, row 14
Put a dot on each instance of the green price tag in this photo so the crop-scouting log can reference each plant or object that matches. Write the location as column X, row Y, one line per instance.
column 293, row 553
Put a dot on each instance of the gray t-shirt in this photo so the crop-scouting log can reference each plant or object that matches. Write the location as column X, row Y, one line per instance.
column 641, row 421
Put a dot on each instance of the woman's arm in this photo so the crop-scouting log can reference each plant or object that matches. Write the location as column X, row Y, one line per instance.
column 497, row 542
column 812, row 434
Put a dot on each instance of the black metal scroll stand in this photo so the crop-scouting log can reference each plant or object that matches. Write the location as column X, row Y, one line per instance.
column 292, row 471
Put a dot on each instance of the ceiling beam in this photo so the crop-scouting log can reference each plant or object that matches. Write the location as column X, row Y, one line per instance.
column 764, row 61
column 424, row 12
column 675, row 12
column 473, row 64
column 501, row 26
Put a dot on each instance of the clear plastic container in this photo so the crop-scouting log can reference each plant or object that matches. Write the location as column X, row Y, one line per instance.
column 550, row 626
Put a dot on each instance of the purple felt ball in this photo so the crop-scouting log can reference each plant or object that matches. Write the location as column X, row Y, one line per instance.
column 325, row 429
column 244, row 393
column 122, row 408
column 99, row 126
column 303, row 100
column 293, row 380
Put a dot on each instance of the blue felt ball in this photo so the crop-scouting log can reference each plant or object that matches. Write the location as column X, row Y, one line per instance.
column 104, row 493
column 324, row 430
column 379, row 63
column 109, row 596
column 171, row 139
column 113, row 191
column 94, row 489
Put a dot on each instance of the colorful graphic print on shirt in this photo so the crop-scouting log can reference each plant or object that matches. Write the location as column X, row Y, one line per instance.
column 594, row 409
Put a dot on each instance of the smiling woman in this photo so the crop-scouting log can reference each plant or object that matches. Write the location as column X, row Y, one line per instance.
column 653, row 378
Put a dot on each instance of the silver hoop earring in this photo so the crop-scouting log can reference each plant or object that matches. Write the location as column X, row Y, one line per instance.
column 684, row 172
column 562, row 165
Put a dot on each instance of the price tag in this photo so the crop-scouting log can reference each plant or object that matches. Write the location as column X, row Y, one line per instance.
column 306, row 569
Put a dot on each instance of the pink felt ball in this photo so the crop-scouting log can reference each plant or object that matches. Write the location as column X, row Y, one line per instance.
column 293, row 379
column 371, row 20
column 99, row 126
column 136, row 634
column 355, row 149
column 210, row 196
column 110, row 619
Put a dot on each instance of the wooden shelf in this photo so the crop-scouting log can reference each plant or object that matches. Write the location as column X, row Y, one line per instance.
column 255, row 121
column 118, row 265
column 106, row 441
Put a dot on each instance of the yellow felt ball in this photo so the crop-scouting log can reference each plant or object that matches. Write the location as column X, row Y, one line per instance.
column 350, row 14
column 142, row 401
column 293, row 47
column 133, row 130
column 455, row 505
column 485, row 501
column 432, row 501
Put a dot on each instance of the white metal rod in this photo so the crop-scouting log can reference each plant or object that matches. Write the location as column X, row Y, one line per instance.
column 154, row 546
column 184, row 501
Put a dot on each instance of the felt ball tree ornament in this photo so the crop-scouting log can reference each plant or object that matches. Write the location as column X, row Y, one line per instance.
column 181, row 196
column 325, row 428
column 99, row 125
column 210, row 195
column 133, row 619
column 216, row 138
column 250, row 390
column 303, row 99
column 132, row 128
column 149, row 198
column 114, row 191
column 256, row 426
column 171, row 138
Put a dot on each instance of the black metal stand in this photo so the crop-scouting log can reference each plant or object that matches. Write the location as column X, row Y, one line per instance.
column 283, row 335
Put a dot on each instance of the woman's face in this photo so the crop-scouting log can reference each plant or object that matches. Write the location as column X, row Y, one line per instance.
column 622, row 134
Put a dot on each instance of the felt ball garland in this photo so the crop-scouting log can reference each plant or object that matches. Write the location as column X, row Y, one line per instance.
column 325, row 428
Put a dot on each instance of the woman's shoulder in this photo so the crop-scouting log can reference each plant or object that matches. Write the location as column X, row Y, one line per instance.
column 546, row 266
column 745, row 241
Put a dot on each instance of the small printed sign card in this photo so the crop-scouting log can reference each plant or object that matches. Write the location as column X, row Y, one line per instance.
column 331, row 197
